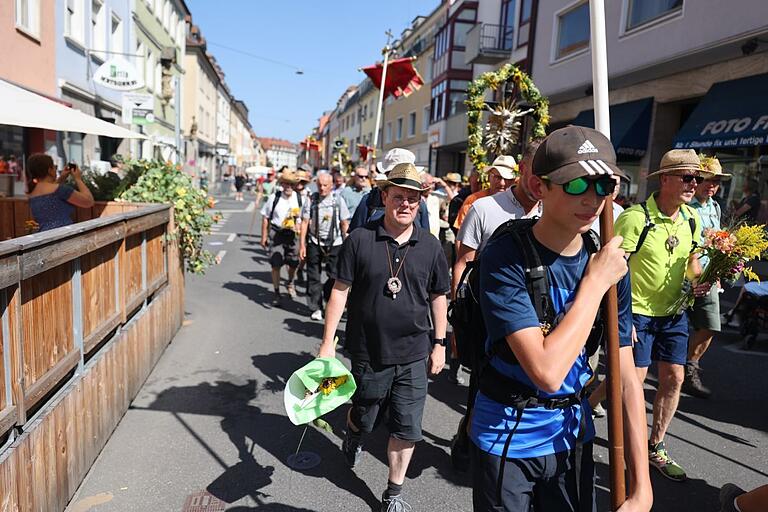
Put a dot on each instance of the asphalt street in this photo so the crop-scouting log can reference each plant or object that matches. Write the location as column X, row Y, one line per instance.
column 207, row 432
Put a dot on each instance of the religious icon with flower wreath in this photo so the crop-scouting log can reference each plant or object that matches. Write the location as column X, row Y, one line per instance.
column 504, row 127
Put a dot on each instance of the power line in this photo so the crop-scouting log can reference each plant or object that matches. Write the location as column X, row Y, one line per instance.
column 297, row 69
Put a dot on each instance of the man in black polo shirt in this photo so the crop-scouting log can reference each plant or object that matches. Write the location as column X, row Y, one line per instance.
column 394, row 272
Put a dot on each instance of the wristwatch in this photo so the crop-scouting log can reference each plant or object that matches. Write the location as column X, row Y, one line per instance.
column 439, row 341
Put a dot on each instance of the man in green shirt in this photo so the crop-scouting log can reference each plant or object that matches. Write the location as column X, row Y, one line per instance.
column 660, row 234
column 705, row 314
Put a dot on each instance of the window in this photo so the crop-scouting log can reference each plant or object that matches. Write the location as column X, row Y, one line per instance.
column 438, row 101
column 353, row 119
column 181, row 31
column 456, row 102
column 641, row 12
column 116, row 39
column 159, row 78
column 166, row 15
column 507, row 24
column 425, row 120
column 572, row 30
column 140, row 60
column 388, row 133
column 74, row 20
column 525, row 11
column 460, row 33
column 412, row 124
column 98, row 29
column 28, row 16
column 399, row 128
column 173, row 25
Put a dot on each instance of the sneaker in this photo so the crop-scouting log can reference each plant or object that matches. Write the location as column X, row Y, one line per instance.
column 277, row 299
column 317, row 315
column 394, row 504
column 660, row 459
column 352, row 447
column 692, row 384
column 291, row 290
column 728, row 493
column 598, row 411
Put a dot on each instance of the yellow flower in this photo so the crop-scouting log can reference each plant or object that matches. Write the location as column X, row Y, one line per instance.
column 181, row 191
column 330, row 384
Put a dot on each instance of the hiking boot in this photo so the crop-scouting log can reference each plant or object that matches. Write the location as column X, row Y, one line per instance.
column 728, row 493
column 660, row 459
column 317, row 315
column 692, row 384
column 394, row 504
column 277, row 299
column 352, row 447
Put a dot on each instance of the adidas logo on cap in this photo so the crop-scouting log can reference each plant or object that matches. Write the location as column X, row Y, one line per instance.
column 587, row 147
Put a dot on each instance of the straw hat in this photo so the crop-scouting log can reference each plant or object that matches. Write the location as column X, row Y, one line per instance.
column 289, row 176
column 303, row 398
column 404, row 175
column 452, row 177
column 506, row 166
column 304, row 176
column 712, row 169
column 679, row 160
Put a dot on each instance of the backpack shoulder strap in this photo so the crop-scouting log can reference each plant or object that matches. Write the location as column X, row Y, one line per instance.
column 591, row 241
column 691, row 214
column 298, row 199
column 278, row 193
column 646, row 228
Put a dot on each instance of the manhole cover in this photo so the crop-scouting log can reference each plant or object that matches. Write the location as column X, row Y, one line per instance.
column 303, row 460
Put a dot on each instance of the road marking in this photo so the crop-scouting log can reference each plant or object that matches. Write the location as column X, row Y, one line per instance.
column 251, row 206
column 227, row 212
column 220, row 256
column 215, row 243
column 223, row 233
column 231, row 237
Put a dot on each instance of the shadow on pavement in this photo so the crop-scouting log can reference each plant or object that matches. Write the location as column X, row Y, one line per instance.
column 263, row 296
column 308, row 328
column 248, row 426
column 278, row 367
column 445, row 391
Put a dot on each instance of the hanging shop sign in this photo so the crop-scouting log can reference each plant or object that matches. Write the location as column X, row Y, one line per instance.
column 118, row 74
column 138, row 108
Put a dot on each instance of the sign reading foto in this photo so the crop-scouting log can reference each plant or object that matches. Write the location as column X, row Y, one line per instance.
column 119, row 74
column 138, row 108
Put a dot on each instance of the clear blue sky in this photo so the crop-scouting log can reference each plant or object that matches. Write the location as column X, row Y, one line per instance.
column 328, row 39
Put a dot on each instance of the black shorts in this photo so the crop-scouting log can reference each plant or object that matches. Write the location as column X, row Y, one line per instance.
column 543, row 484
column 283, row 249
column 398, row 391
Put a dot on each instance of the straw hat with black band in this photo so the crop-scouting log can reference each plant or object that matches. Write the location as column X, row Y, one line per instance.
column 712, row 169
column 679, row 160
column 404, row 175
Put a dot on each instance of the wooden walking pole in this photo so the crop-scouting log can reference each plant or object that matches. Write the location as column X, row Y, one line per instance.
column 610, row 301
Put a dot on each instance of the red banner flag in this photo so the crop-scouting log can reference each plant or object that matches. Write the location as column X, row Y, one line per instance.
column 313, row 144
column 363, row 150
column 402, row 77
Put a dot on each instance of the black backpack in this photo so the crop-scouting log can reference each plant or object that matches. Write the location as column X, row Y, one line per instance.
column 466, row 316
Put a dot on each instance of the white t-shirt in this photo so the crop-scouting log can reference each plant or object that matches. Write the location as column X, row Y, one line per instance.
column 285, row 209
column 325, row 210
column 488, row 213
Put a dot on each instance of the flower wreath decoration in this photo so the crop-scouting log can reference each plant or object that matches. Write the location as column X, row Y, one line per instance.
column 503, row 127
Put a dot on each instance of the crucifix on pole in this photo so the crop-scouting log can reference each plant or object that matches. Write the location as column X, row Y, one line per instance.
column 386, row 51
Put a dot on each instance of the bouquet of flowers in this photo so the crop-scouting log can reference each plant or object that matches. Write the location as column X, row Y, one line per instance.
column 729, row 253
column 292, row 219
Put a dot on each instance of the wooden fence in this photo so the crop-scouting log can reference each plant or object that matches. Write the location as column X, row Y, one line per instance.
column 86, row 311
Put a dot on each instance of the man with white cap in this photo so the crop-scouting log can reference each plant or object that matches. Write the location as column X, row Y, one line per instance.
column 371, row 206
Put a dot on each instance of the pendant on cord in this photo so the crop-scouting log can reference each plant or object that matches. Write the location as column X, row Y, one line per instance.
column 394, row 286
column 671, row 243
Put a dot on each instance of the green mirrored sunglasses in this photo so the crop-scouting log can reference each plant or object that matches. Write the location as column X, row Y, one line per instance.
column 604, row 186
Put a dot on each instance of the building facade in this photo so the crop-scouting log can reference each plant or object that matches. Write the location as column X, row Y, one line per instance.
column 668, row 63
column 28, row 59
column 200, row 101
column 279, row 152
column 160, row 40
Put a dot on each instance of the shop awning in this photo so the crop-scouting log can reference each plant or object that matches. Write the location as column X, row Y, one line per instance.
column 23, row 108
column 630, row 124
column 733, row 114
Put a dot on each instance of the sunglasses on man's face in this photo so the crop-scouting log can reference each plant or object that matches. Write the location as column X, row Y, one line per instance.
column 604, row 186
column 688, row 178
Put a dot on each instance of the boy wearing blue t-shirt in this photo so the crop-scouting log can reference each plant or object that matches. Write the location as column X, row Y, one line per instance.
column 535, row 468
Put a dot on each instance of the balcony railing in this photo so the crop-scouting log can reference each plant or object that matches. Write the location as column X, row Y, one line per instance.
column 489, row 44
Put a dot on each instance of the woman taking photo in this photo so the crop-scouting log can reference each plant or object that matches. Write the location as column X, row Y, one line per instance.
column 50, row 201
